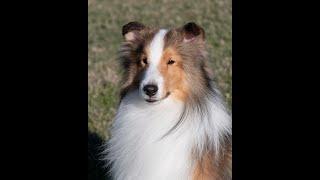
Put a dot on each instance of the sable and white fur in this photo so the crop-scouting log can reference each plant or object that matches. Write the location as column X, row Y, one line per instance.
column 184, row 131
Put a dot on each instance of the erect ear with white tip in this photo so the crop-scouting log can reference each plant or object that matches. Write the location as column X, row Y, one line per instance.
column 192, row 31
column 129, row 31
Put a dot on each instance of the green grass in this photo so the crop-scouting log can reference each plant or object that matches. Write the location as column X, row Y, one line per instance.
column 106, row 19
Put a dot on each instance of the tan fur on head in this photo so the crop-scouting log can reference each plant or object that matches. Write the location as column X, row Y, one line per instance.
column 174, row 75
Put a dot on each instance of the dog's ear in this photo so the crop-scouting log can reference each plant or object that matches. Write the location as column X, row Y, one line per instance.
column 192, row 31
column 129, row 31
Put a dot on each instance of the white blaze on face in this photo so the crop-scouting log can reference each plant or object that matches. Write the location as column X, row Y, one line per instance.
column 152, row 75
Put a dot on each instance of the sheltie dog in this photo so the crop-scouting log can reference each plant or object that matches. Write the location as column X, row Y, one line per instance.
column 172, row 122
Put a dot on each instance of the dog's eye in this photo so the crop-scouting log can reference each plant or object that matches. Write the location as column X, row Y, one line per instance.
column 171, row 61
column 145, row 61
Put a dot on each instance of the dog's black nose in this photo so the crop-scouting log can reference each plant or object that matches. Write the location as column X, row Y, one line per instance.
column 150, row 90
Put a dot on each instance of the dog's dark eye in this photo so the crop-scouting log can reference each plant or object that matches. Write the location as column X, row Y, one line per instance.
column 145, row 61
column 171, row 61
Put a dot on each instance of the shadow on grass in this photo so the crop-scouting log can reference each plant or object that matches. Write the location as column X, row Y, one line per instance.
column 96, row 169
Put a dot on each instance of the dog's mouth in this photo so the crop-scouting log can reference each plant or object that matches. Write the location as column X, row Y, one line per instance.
column 150, row 100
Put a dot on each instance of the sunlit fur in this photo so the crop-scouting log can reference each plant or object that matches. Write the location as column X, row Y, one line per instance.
column 185, row 132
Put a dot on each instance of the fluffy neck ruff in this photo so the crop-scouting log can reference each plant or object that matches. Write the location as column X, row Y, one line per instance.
column 165, row 140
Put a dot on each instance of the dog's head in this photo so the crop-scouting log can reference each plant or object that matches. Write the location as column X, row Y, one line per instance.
column 161, row 63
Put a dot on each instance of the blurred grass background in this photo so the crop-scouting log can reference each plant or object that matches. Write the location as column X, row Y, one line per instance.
column 106, row 19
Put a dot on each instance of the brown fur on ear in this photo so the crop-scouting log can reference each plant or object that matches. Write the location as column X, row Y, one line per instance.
column 128, row 30
column 192, row 31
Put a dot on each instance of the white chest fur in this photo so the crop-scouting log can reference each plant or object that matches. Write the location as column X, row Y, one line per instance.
column 136, row 148
column 138, row 151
